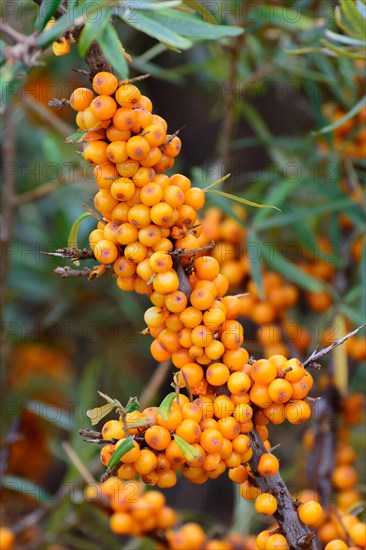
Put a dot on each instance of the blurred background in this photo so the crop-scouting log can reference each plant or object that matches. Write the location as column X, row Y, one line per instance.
column 248, row 107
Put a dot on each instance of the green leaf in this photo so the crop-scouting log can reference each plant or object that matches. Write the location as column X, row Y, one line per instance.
column 143, row 422
column 286, row 268
column 241, row 200
column 111, row 48
column 98, row 413
column 187, row 449
column 121, row 450
column 276, row 196
column 340, row 356
column 26, row 487
column 166, row 404
column 146, row 22
column 46, row 11
column 287, row 218
column 76, row 137
column 199, row 8
column 287, row 18
column 344, row 39
column 73, row 235
column 92, row 30
column 353, row 112
column 344, row 52
column 192, row 27
column 354, row 17
column 132, row 405
column 255, row 263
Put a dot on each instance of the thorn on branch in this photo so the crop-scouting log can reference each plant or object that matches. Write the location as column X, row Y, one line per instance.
column 310, row 361
column 59, row 103
column 71, row 253
column 66, row 272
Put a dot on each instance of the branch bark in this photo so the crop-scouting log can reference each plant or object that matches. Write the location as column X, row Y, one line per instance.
column 298, row 535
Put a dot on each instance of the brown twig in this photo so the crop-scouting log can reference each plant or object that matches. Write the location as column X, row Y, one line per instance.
column 66, row 272
column 318, row 354
column 298, row 535
column 72, row 253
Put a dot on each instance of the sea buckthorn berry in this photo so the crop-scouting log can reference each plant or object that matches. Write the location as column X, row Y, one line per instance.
column 139, row 215
column 135, row 252
column 121, row 523
column 268, row 465
column 202, row 299
column 175, row 302
column 146, row 462
column 297, row 370
column 201, row 336
column 301, row 388
column 297, row 411
column 96, row 152
column 132, row 455
column 151, row 194
column 128, row 168
column 114, row 134
column 223, row 406
column 162, row 214
column 105, row 252
column 181, row 181
column 166, row 283
column 106, row 453
column 157, row 437
column 217, row 374
column 207, row 268
column 154, row 317
column 95, row 237
column 124, row 119
column 191, row 317
column 103, row 107
column 278, row 542
column 280, row 390
column 243, row 412
column 236, row 359
column 336, row 544
column 239, row 474
column 105, row 174
column 189, row 430
column 192, row 373
column 238, row 383
column 126, row 284
column 174, row 418
column 232, row 334
column 155, row 134
column 81, row 98
column 127, row 233
column 149, row 236
column 310, row 512
column 266, row 504
column 260, row 396
column 263, row 371
column 187, row 218
column 104, row 202
column 117, row 152
column 195, row 197
column 249, row 491
column 214, row 350
column 143, row 118
column 113, row 429
column 262, row 539
column 169, row 340
column 105, row 83
column 137, row 147
column 211, row 440
column 122, row 189
column 344, row 477
column 161, row 262
column 128, row 95
column 165, row 245
column 152, row 158
column 241, row 443
column 143, row 177
column 172, row 147
column 358, row 534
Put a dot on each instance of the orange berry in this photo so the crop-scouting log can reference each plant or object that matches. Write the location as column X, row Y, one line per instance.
column 157, row 437
column 162, row 214
column 137, row 147
column 81, row 98
column 268, row 465
column 105, row 83
column 310, row 512
column 211, row 440
column 191, row 317
column 193, row 373
column 336, row 544
column 266, row 504
column 195, row 197
column 297, row 411
column 166, row 283
column 280, row 390
column 263, row 371
column 277, row 542
column 96, row 152
column 206, row 268
column 161, row 262
column 214, row 350
column 151, row 194
column 155, row 134
column 175, row 302
column 128, row 95
column 122, row 189
column 149, row 236
column 297, row 370
column 146, row 462
column 358, row 534
column 217, row 374
column 105, row 174
column 276, row 413
column 239, row 474
column 236, row 359
column 238, row 383
column 249, row 491
column 105, row 252
column 103, row 107
column 201, row 298
column 128, row 169
column 173, row 147
column 174, row 196
column 158, row 352
column 260, row 396
column 121, row 523
column 344, row 477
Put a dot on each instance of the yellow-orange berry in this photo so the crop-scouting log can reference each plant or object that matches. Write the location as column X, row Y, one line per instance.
column 81, row 98
column 310, row 512
column 268, row 465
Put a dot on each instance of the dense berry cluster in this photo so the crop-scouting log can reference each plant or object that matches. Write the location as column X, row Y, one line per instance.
column 150, row 234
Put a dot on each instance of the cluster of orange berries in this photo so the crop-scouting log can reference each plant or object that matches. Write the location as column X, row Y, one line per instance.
column 137, row 512
column 145, row 213
column 215, row 425
column 350, row 137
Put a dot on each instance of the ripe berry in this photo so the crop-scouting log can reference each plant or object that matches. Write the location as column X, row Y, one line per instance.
column 310, row 512
column 266, row 504
column 137, row 147
column 128, row 95
column 81, row 98
column 103, row 107
column 105, row 252
column 268, row 465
